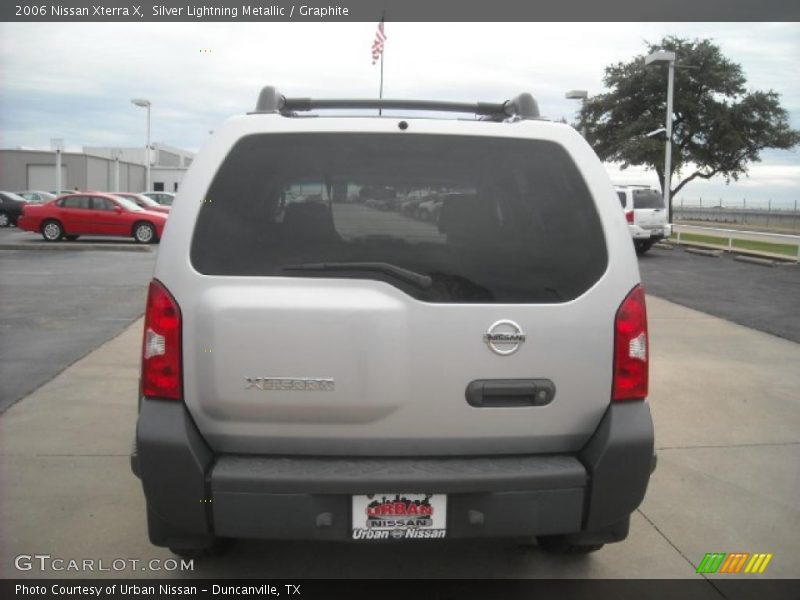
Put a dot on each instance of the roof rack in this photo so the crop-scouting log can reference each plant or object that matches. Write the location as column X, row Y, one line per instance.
column 523, row 106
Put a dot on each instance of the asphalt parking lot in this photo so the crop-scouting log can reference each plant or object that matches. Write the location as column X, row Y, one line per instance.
column 724, row 400
column 57, row 306
column 765, row 298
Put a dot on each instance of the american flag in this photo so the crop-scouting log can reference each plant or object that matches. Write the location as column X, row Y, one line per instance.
column 377, row 45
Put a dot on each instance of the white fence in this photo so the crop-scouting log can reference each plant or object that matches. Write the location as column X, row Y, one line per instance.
column 736, row 234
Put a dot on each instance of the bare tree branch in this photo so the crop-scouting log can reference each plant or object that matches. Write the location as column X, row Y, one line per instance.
column 695, row 175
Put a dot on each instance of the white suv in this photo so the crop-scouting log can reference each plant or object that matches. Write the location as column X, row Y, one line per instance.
column 316, row 367
column 646, row 216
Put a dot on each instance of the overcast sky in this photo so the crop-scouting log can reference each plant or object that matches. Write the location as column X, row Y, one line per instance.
column 75, row 81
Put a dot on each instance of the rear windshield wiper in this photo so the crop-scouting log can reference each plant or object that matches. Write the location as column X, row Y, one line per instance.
column 417, row 279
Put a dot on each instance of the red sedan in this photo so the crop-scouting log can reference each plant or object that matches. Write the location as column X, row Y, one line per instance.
column 92, row 214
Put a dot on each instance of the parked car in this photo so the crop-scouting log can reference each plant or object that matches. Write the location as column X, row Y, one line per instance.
column 429, row 210
column 409, row 206
column 36, row 197
column 316, row 371
column 10, row 208
column 92, row 214
column 164, row 198
column 380, row 204
column 143, row 201
column 646, row 215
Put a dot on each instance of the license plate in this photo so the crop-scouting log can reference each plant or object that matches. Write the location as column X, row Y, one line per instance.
column 399, row 516
column 657, row 232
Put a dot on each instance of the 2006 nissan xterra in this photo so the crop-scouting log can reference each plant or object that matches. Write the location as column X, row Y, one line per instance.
column 320, row 363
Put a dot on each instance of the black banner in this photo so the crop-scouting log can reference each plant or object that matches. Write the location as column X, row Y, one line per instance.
column 400, row 10
column 439, row 589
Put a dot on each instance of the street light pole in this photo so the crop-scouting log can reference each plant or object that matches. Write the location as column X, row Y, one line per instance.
column 581, row 95
column 115, row 153
column 145, row 104
column 147, row 178
column 58, row 145
column 668, row 150
column 669, row 58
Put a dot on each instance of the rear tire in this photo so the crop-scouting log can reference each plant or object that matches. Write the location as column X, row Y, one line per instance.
column 4, row 220
column 642, row 247
column 558, row 544
column 52, row 231
column 144, row 233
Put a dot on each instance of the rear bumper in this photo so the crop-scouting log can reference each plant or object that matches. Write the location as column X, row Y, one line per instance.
column 193, row 495
column 639, row 233
column 12, row 214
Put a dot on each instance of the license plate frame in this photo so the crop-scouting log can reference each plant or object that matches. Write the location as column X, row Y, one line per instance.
column 398, row 516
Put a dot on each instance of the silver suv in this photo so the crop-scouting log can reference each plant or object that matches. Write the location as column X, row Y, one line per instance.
column 319, row 367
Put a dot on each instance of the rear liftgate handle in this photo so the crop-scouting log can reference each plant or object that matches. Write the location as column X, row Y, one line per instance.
column 500, row 393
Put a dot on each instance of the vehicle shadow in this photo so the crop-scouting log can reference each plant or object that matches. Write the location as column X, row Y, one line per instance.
column 453, row 559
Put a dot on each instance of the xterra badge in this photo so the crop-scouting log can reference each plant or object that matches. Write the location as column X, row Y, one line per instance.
column 504, row 337
column 289, row 384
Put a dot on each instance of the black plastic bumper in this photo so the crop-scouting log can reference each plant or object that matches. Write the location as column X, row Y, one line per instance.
column 193, row 496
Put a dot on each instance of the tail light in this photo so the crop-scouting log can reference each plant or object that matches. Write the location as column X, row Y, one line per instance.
column 630, row 348
column 629, row 216
column 161, row 346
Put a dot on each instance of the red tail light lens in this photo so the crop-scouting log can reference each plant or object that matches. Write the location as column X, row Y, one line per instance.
column 629, row 216
column 161, row 346
column 630, row 348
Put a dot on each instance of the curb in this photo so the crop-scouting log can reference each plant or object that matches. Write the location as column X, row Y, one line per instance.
column 704, row 252
column 76, row 247
column 764, row 262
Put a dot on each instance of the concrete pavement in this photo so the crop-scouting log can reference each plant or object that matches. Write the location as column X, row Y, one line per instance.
column 727, row 416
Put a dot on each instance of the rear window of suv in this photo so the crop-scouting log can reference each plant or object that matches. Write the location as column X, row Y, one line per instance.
column 647, row 199
column 457, row 219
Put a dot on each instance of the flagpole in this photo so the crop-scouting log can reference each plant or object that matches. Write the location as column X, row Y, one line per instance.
column 380, row 93
column 383, row 51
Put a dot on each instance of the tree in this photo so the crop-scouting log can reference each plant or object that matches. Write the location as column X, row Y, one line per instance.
column 718, row 126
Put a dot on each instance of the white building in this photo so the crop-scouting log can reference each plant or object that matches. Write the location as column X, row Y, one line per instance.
column 168, row 164
column 22, row 169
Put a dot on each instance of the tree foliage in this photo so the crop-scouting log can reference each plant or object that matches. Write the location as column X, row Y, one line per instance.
column 719, row 127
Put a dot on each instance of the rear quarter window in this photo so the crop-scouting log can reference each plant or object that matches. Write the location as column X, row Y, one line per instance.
column 482, row 220
column 76, row 202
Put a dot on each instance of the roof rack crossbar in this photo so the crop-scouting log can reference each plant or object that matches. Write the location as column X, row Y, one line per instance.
column 523, row 106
